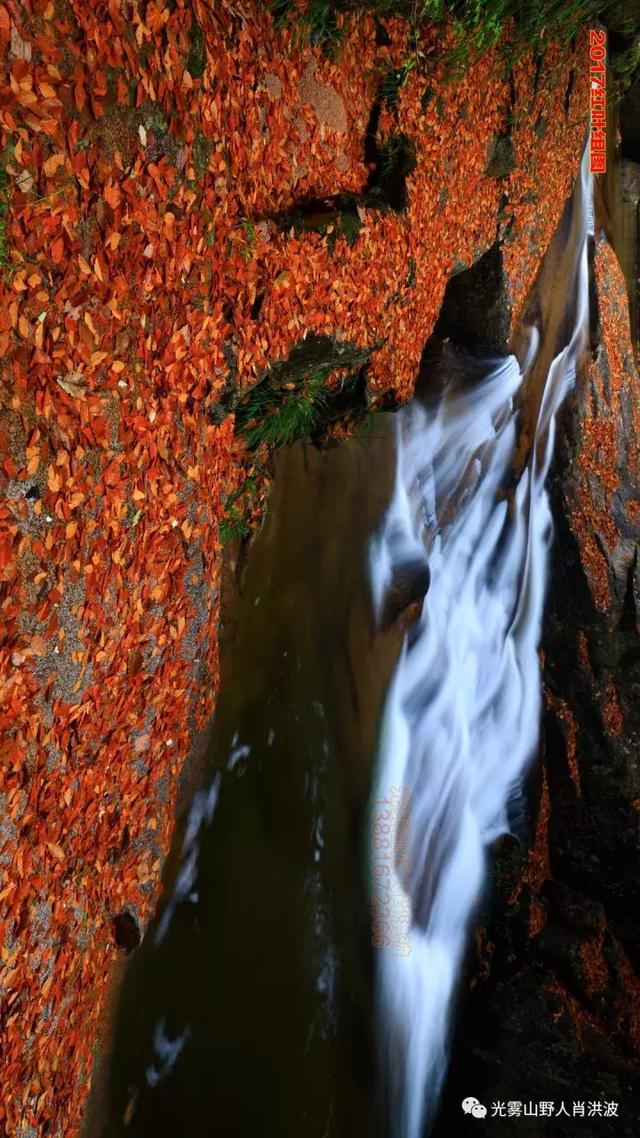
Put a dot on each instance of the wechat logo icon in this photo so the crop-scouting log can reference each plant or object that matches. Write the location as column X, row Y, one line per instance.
column 471, row 1106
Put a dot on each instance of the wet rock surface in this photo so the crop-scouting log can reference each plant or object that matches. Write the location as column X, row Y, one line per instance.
column 406, row 592
column 502, row 157
column 476, row 312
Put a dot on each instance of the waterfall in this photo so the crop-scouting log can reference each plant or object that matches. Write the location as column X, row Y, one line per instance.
column 462, row 715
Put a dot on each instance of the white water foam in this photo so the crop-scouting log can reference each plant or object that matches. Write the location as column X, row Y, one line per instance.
column 462, row 716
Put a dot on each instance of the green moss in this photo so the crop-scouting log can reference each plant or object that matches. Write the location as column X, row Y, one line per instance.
column 201, row 154
column 5, row 158
column 197, row 58
column 152, row 118
column 314, row 355
column 347, row 225
column 248, row 243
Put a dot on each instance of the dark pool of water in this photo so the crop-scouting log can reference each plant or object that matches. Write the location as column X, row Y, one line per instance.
column 247, row 1010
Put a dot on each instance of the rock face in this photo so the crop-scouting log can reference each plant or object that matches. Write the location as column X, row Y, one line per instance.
column 476, row 312
column 502, row 157
column 552, row 1009
column 630, row 122
column 631, row 181
column 406, row 592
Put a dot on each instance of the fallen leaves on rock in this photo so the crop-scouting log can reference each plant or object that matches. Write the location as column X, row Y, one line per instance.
column 139, row 235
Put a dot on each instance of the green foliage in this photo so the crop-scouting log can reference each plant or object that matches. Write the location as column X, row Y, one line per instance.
column 397, row 156
column 351, row 226
column 197, row 57
column 624, row 65
column 4, row 206
column 317, row 21
column 281, row 11
column 279, row 417
column 481, row 24
column 248, row 242
column 153, row 118
column 393, row 82
column 347, row 225
column 234, row 525
column 201, row 154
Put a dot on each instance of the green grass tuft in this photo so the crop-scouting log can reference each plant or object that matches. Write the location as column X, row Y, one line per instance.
column 281, row 417
column 482, row 24
column 235, row 525
column 317, row 22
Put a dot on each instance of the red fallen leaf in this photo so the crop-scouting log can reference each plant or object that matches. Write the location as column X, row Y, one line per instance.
column 53, row 163
column 112, row 474
column 57, row 250
column 5, row 26
column 112, row 195
column 80, row 96
column 56, row 851
column 38, row 645
column 73, row 383
column 6, row 549
column 54, row 479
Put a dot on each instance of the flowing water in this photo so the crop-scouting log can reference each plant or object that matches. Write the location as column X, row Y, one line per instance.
column 462, row 716
column 256, row 1004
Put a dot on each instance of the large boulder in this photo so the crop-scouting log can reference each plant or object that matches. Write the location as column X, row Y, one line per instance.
column 476, row 311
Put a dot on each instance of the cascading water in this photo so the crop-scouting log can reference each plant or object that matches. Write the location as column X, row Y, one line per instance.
column 462, row 715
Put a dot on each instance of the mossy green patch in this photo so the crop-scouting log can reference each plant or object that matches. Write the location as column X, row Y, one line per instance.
column 197, row 58
column 5, row 157
column 235, row 524
column 201, row 154
column 293, row 399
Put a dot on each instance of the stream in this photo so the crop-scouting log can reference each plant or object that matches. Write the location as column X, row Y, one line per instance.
column 257, row 1003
